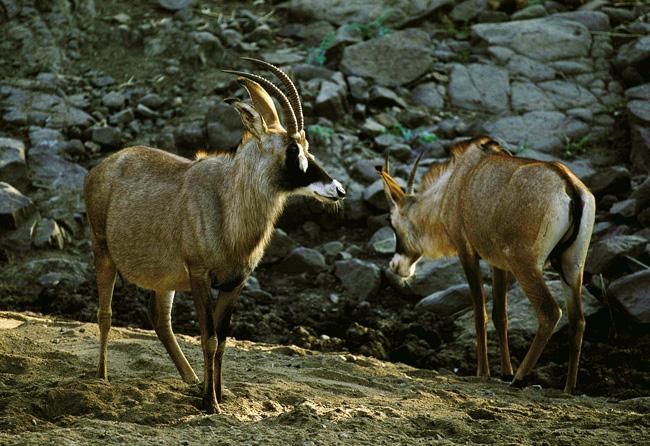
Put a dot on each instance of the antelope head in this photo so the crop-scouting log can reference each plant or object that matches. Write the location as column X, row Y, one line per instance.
column 409, row 247
column 297, row 172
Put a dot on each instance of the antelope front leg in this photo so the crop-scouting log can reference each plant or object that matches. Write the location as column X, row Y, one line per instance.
column 473, row 273
column 500, row 318
column 202, row 296
column 221, row 315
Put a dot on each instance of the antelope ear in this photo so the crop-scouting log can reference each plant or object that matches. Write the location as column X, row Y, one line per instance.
column 394, row 193
column 262, row 102
column 251, row 120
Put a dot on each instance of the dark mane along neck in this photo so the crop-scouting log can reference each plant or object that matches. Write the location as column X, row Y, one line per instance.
column 484, row 143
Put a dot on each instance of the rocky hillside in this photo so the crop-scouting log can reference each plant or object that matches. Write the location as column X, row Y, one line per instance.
column 551, row 80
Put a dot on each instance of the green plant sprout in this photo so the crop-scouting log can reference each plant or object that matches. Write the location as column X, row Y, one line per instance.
column 573, row 148
column 320, row 131
column 316, row 56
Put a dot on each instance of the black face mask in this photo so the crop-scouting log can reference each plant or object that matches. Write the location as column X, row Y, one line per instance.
column 294, row 177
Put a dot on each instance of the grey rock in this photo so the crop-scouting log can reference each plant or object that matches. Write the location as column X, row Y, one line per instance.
column 376, row 58
column 303, row 260
column 593, row 20
column 642, row 193
column 48, row 233
column 384, row 97
column 192, row 136
column 632, row 292
column 427, row 94
column 521, row 316
column 611, row 180
column 374, row 194
column 279, row 247
column 174, row 5
column 114, row 100
column 572, row 67
column 32, row 275
column 529, row 68
column 468, row 10
column 331, row 100
column 641, row 92
column 341, row 12
column 447, row 302
column 633, row 52
column 365, row 170
column 541, row 39
column 479, row 87
column 538, row 130
column 152, row 100
column 144, row 112
column 13, row 169
column 359, row 278
column 626, row 208
column 354, row 205
column 223, row 126
column 383, row 241
column 565, row 95
column 530, row 12
column 122, row 118
column 332, row 249
column 640, row 151
column 372, row 127
column 639, row 111
column 15, row 208
column 107, row 136
column 38, row 135
column 604, row 253
column 526, row 96
column 55, row 173
column 358, row 88
column 430, row 276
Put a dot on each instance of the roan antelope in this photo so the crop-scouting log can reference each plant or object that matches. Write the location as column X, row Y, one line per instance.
column 516, row 214
column 168, row 223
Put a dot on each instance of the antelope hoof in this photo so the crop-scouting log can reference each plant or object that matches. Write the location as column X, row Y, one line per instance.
column 210, row 405
column 523, row 382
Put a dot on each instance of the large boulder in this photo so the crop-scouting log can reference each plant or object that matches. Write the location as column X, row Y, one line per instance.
column 604, row 253
column 303, row 260
column 539, row 130
column 430, row 276
column 632, row 292
column 521, row 316
column 479, row 87
column 447, row 302
column 359, row 278
column 391, row 60
column 15, row 208
column 13, row 169
column 543, row 39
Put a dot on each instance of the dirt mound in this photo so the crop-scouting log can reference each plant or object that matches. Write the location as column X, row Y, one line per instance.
column 276, row 395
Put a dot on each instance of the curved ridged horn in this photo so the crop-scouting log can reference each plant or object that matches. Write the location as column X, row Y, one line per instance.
column 294, row 97
column 386, row 163
column 409, row 185
column 292, row 124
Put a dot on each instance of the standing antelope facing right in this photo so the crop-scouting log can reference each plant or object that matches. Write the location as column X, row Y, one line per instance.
column 168, row 223
column 516, row 214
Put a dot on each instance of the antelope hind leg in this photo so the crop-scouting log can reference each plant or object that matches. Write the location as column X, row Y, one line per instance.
column 160, row 316
column 106, row 273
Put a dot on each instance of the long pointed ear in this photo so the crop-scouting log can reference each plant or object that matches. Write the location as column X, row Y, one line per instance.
column 394, row 193
column 251, row 120
column 263, row 103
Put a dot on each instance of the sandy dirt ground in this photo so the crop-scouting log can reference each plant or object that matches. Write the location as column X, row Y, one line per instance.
column 276, row 395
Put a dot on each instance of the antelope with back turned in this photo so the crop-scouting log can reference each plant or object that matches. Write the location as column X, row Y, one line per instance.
column 514, row 213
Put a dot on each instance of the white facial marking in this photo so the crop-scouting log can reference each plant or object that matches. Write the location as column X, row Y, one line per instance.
column 333, row 190
column 402, row 266
column 302, row 159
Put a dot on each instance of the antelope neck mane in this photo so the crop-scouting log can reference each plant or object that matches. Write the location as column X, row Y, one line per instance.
column 484, row 143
